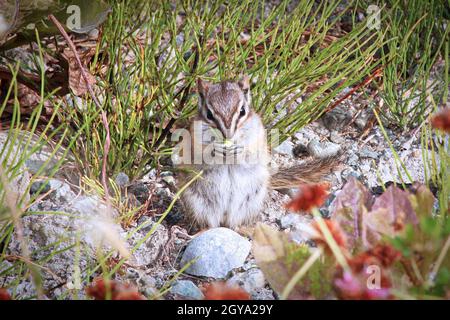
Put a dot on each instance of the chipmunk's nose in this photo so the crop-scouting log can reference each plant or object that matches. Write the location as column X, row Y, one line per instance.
column 227, row 133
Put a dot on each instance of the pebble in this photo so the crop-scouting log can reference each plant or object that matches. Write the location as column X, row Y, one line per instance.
column 122, row 179
column 323, row 150
column 286, row 148
column 187, row 289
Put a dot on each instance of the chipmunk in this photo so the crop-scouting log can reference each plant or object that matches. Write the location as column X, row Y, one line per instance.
column 228, row 144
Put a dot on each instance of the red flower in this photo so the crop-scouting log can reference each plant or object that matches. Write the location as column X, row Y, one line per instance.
column 441, row 120
column 4, row 294
column 336, row 232
column 222, row 291
column 310, row 196
column 119, row 291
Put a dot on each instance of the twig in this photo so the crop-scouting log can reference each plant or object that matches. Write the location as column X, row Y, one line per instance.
column 97, row 103
column 376, row 74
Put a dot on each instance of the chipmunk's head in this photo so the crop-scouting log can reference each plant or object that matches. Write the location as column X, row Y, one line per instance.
column 225, row 105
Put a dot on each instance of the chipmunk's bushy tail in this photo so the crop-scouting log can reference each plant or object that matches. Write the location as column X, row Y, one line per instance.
column 311, row 171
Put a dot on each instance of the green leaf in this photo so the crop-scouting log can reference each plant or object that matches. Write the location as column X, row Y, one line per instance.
column 279, row 259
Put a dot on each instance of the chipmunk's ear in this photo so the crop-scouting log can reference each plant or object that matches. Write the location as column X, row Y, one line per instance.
column 244, row 83
column 202, row 87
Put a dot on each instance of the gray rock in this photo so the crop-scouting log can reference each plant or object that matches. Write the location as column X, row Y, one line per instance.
column 140, row 190
column 251, row 280
column 62, row 192
column 168, row 178
column 122, row 179
column 336, row 118
column 53, row 239
column 367, row 153
column 346, row 174
column 151, row 248
column 215, row 252
column 336, row 137
column 286, row 148
column 18, row 186
column 361, row 120
column 38, row 152
column 187, row 289
column 263, row 294
column 290, row 220
column 352, row 160
column 323, row 150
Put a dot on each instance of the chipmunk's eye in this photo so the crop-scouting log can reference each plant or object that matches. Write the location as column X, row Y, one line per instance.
column 209, row 115
column 242, row 113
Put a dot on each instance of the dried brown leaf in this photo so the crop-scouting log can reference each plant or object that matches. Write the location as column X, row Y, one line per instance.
column 76, row 80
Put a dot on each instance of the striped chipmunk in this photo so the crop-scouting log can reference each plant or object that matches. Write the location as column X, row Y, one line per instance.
column 227, row 141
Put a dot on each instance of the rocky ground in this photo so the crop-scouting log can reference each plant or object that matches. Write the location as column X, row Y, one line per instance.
column 160, row 251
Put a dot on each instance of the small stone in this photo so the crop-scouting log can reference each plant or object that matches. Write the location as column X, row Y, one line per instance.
column 93, row 34
column 323, row 150
column 122, row 179
column 150, row 250
column 336, row 137
column 170, row 180
column 251, row 280
column 349, row 173
column 352, row 160
column 140, row 190
column 62, row 192
column 336, row 118
column 286, row 148
column 214, row 253
column 263, row 294
column 187, row 289
column 367, row 153
column 290, row 220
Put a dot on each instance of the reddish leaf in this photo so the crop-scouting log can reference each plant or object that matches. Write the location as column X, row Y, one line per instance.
column 348, row 209
column 118, row 291
column 4, row 294
column 391, row 212
column 223, row 291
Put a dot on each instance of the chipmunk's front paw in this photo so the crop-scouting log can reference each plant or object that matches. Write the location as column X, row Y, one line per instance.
column 227, row 149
